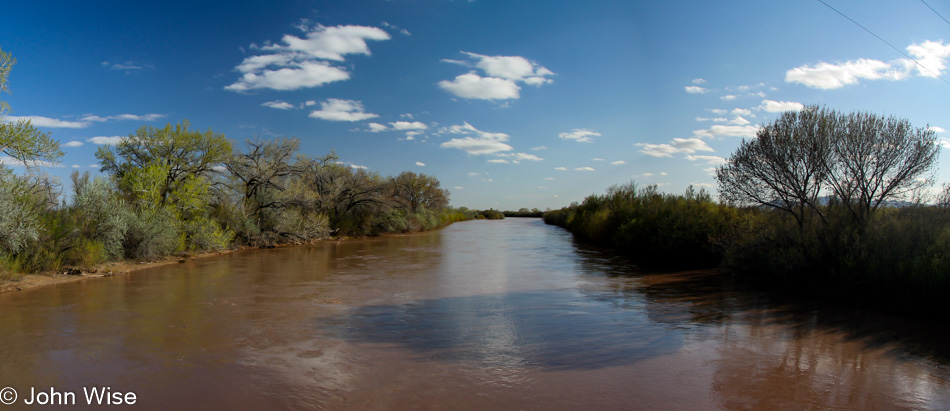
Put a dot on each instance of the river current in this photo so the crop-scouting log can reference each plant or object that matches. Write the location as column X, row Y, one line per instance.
column 509, row 314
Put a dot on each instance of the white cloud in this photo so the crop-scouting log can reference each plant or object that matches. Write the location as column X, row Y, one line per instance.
column 132, row 117
column 376, row 127
column 711, row 160
column 94, row 166
column 498, row 161
column 297, row 76
column 618, row 162
column 772, row 106
column 597, row 159
column 742, row 112
column 458, row 188
column 503, row 73
column 657, row 150
column 75, row 165
column 698, row 81
column 679, row 145
column 728, row 97
column 936, row 129
column 539, row 148
column 704, row 185
column 128, row 65
column 516, row 157
column 73, row 143
column 739, row 120
column 406, row 125
column 690, row 145
column 475, row 141
column 358, row 167
column 717, row 111
column 719, row 130
column 303, row 62
column 420, row 164
column 278, row 104
column 561, row 168
column 695, row 89
column 106, row 140
column 584, row 169
column 648, row 175
column 335, row 109
column 548, row 178
column 930, row 54
column 580, row 135
column 472, row 85
column 40, row 121
column 472, row 174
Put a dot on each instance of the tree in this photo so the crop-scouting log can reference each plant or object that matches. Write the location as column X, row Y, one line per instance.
column 21, row 140
column 784, row 166
column 187, row 154
column 412, row 191
column 861, row 159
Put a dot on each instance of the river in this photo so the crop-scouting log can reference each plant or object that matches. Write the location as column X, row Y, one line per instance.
column 509, row 314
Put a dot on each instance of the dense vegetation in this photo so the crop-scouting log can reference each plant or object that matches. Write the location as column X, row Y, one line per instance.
column 173, row 190
column 820, row 202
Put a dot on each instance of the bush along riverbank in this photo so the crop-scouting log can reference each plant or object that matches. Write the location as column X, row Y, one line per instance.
column 174, row 191
column 820, row 203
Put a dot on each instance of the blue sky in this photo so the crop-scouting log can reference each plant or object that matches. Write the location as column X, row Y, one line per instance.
column 509, row 104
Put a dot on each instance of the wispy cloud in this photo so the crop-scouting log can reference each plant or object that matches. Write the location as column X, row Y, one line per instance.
column 40, row 121
column 278, row 104
column 106, row 140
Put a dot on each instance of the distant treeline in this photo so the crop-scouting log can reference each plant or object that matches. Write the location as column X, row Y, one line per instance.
column 173, row 190
column 524, row 212
column 820, row 203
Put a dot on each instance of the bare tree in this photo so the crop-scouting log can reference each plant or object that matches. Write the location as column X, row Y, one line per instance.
column 862, row 159
column 783, row 167
column 875, row 159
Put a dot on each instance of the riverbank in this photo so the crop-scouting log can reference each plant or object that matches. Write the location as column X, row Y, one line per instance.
column 114, row 268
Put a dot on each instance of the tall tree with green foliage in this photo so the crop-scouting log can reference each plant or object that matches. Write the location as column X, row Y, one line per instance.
column 166, row 174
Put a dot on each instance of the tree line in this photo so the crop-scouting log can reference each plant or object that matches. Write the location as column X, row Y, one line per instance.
column 820, row 202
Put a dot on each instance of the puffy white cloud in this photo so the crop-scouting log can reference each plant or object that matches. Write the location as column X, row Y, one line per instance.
column 278, row 104
column 420, row 164
column 930, row 54
column 376, row 127
column 584, row 169
column 502, row 75
column 773, row 106
column 304, row 62
column 358, row 167
column 742, row 112
column 618, row 162
column 498, row 161
column 475, row 141
column 561, row 168
column 73, row 143
column 335, row 109
column 296, row 76
column 106, row 140
column 40, row 121
column 728, row 97
column 690, row 145
column 473, row 86
column 719, row 130
column 711, row 160
column 739, row 120
column 406, row 125
column 936, row 129
column 458, row 188
column 658, row 150
column 678, row 145
column 695, row 89
column 580, row 135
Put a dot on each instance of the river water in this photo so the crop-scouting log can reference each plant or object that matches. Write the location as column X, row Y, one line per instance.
column 508, row 314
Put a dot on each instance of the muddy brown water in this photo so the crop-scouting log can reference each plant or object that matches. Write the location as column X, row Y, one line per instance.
column 506, row 314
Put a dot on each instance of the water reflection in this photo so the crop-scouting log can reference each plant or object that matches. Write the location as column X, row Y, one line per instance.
column 480, row 315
